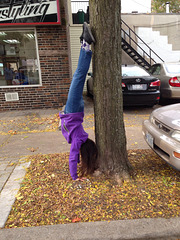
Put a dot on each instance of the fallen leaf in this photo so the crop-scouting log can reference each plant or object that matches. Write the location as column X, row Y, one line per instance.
column 76, row 220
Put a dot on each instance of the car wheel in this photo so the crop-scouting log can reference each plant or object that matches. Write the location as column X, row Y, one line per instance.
column 88, row 93
column 163, row 101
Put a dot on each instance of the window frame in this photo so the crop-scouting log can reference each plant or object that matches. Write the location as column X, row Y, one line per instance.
column 37, row 56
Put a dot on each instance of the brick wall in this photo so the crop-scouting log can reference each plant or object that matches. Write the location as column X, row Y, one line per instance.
column 53, row 55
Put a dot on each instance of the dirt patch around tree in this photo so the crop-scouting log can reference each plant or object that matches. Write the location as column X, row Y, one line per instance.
column 49, row 196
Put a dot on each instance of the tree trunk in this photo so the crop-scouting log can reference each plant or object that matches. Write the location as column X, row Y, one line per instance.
column 105, row 21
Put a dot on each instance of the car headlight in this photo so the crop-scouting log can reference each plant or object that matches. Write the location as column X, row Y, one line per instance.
column 176, row 135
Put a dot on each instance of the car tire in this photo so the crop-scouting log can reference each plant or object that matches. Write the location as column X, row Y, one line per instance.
column 88, row 93
column 163, row 101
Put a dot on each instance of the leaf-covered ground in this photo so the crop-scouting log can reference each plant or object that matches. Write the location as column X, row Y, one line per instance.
column 28, row 124
column 49, row 196
column 32, row 122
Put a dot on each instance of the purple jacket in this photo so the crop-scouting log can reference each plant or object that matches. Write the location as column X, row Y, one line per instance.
column 72, row 130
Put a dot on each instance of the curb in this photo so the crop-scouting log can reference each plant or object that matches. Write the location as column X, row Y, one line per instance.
column 166, row 229
column 9, row 192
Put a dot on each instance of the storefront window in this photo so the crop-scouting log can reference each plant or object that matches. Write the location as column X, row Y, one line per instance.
column 18, row 58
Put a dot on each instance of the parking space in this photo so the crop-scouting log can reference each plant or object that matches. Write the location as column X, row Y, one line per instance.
column 133, row 119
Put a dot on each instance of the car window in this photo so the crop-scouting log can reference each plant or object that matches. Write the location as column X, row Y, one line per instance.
column 173, row 68
column 133, row 71
column 155, row 70
column 151, row 70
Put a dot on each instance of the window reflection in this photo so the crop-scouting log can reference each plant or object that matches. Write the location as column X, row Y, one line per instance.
column 18, row 58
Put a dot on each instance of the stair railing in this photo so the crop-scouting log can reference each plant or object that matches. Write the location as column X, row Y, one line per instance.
column 131, row 37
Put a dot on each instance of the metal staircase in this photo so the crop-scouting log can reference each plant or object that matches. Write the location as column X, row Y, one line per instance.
column 130, row 44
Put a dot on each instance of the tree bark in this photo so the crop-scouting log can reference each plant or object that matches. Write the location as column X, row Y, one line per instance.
column 105, row 22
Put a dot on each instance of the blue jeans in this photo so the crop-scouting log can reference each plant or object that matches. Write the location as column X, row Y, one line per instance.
column 75, row 102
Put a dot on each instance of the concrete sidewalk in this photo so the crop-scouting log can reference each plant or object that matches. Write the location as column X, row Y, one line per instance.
column 164, row 229
column 17, row 146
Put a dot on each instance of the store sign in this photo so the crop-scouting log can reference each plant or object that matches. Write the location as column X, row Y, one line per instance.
column 29, row 12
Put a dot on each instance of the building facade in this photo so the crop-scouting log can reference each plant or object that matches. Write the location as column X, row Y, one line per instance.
column 161, row 32
column 34, row 59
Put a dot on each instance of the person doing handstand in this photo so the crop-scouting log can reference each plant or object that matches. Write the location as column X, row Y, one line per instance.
column 72, row 117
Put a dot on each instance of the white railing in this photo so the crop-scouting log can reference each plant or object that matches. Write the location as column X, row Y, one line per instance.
column 79, row 5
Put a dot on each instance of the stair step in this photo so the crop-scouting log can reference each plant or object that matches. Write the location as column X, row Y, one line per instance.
column 139, row 60
column 134, row 56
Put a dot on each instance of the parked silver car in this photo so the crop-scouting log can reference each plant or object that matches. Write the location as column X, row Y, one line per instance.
column 162, row 133
column 169, row 75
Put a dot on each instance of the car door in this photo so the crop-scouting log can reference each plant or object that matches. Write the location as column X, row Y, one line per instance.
column 157, row 70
